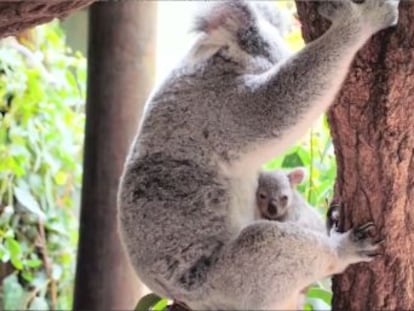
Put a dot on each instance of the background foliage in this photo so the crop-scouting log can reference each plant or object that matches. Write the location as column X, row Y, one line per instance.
column 42, row 89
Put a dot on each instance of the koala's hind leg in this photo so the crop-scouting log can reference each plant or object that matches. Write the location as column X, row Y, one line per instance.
column 269, row 264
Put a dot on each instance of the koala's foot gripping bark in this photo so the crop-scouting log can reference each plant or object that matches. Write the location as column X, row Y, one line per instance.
column 356, row 245
column 369, row 246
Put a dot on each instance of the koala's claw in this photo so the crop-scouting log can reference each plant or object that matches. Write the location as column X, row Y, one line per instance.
column 358, row 245
column 372, row 255
column 361, row 232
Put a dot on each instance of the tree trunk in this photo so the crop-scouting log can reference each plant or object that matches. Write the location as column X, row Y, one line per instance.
column 120, row 73
column 16, row 16
column 372, row 126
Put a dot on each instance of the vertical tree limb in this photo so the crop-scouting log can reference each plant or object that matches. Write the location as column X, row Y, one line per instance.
column 372, row 126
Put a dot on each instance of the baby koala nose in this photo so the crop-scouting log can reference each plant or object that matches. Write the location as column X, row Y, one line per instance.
column 272, row 208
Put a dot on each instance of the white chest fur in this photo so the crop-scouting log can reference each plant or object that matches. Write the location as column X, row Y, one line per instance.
column 242, row 204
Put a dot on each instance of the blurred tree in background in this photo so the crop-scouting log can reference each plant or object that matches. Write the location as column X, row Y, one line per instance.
column 42, row 90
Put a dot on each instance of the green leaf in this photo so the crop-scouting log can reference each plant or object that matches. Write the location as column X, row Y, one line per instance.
column 160, row 305
column 5, row 216
column 27, row 275
column 13, row 247
column 14, row 296
column 15, row 252
column 33, row 263
column 148, row 301
column 39, row 303
column 28, row 201
column 318, row 304
column 3, row 254
column 308, row 307
column 320, row 293
column 17, row 263
column 61, row 178
column 292, row 160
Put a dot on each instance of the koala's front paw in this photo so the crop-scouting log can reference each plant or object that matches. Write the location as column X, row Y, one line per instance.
column 365, row 246
column 364, row 16
column 357, row 245
column 378, row 14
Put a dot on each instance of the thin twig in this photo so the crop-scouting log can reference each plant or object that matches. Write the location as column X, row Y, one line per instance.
column 48, row 266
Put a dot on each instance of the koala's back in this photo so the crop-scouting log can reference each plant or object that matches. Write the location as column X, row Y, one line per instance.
column 173, row 212
column 191, row 116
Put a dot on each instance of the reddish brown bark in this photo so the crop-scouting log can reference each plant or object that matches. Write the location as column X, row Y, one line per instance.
column 372, row 125
column 16, row 16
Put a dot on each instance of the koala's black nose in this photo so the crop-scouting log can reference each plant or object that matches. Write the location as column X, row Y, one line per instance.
column 272, row 209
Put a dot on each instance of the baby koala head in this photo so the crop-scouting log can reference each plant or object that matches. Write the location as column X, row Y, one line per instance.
column 275, row 191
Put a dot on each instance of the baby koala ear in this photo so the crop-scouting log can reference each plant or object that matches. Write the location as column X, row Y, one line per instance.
column 297, row 176
column 232, row 16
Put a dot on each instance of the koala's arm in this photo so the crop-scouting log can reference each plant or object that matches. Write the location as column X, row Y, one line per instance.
column 290, row 96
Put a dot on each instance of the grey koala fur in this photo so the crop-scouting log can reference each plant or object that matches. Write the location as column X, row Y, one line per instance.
column 238, row 98
column 278, row 199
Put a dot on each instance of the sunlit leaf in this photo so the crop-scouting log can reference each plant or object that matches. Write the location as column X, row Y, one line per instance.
column 39, row 303
column 318, row 304
column 6, row 214
column 320, row 293
column 28, row 201
column 160, row 305
column 13, row 247
column 147, row 302
column 14, row 296
column 61, row 178
column 33, row 263
column 292, row 160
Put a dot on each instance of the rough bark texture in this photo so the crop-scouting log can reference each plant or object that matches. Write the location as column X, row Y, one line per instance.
column 372, row 125
column 120, row 73
column 16, row 16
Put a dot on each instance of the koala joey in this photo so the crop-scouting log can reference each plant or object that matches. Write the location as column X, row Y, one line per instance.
column 237, row 99
column 277, row 199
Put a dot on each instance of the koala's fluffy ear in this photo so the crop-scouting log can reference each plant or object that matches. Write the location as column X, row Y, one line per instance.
column 232, row 16
column 297, row 176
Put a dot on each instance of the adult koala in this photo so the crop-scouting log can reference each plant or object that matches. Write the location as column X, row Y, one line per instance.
column 238, row 98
